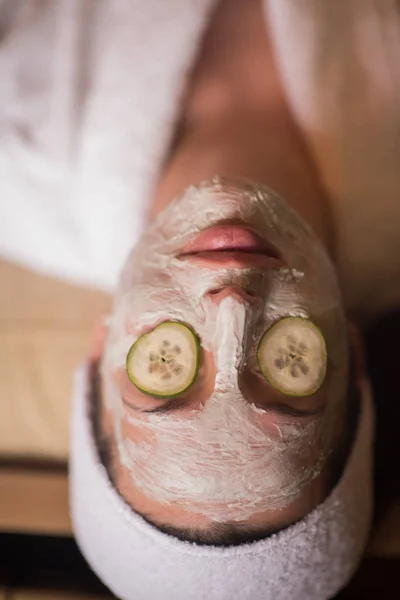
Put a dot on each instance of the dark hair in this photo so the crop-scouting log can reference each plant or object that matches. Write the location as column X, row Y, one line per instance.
column 228, row 533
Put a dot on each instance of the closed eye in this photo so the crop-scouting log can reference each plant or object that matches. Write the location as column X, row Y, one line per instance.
column 169, row 406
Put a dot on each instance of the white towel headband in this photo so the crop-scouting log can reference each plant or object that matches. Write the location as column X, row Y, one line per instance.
column 310, row 560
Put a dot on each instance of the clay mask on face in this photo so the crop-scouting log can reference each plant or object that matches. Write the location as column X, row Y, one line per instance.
column 226, row 459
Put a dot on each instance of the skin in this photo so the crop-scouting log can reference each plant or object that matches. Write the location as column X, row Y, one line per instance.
column 235, row 122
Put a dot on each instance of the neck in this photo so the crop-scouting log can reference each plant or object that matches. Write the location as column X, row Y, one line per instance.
column 255, row 149
column 235, row 122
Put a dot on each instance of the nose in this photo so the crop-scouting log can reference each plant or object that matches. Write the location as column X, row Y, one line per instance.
column 231, row 291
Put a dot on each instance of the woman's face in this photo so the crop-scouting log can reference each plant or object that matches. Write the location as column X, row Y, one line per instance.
column 232, row 447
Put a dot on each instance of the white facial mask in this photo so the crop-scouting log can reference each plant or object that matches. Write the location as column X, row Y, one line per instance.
column 228, row 459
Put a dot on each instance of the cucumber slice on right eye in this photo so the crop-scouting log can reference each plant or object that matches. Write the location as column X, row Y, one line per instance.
column 164, row 362
column 292, row 356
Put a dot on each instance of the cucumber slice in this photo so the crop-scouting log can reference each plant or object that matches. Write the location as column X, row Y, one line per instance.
column 292, row 356
column 164, row 363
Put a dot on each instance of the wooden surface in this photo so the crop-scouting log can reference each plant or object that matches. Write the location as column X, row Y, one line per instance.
column 32, row 501
column 45, row 332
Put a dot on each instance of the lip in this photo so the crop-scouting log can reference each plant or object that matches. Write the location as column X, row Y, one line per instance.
column 232, row 259
column 231, row 246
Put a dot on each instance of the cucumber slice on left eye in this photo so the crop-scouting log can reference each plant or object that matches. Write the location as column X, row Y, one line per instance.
column 164, row 362
column 292, row 356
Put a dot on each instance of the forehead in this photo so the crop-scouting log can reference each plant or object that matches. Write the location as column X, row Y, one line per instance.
column 182, row 459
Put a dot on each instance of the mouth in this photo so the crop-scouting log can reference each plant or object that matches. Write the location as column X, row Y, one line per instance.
column 231, row 245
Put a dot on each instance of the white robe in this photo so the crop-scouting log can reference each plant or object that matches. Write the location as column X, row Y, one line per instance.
column 90, row 93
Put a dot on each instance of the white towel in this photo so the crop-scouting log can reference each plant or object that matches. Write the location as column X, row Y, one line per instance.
column 310, row 560
column 90, row 95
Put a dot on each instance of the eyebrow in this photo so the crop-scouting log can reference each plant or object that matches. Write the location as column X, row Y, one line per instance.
column 179, row 403
column 285, row 409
